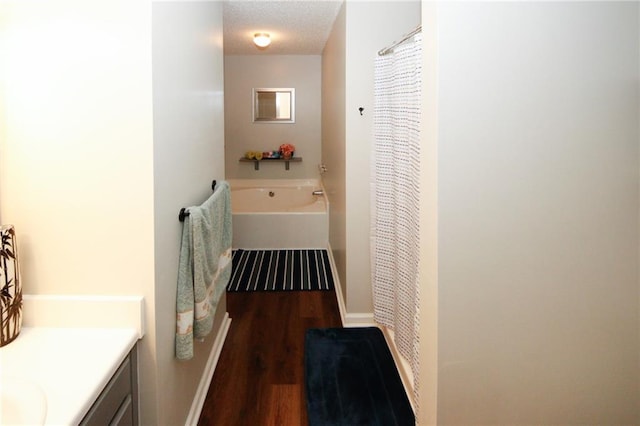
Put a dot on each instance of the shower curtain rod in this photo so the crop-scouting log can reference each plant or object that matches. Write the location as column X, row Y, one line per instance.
column 395, row 44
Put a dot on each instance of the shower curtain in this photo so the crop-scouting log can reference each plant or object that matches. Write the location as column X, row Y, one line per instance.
column 395, row 192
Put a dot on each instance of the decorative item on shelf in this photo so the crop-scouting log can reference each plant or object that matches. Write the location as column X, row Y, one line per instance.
column 10, row 287
column 271, row 155
column 254, row 155
column 287, row 150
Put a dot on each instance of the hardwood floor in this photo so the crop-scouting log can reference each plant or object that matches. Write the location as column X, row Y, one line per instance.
column 259, row 379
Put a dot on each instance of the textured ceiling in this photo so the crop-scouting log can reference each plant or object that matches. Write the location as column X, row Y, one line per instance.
column 297, row 27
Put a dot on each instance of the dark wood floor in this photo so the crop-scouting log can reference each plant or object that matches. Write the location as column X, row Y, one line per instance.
column 259, row 379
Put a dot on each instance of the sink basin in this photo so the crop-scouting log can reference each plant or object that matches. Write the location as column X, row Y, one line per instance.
column 22, row 402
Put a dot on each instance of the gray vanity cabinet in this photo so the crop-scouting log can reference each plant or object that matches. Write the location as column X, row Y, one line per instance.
column 118, row 403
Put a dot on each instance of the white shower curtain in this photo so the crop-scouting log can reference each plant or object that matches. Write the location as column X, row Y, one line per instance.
column 395, row 192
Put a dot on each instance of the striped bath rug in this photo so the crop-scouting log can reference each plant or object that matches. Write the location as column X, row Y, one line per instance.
column 280, row 270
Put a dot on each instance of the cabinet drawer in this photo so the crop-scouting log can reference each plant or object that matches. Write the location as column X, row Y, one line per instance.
column 124, row 416
column 112, row 397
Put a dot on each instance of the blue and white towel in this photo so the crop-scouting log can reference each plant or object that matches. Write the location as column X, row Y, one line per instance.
column 204, row 269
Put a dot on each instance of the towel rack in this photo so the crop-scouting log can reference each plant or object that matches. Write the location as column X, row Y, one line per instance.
column 184, row 212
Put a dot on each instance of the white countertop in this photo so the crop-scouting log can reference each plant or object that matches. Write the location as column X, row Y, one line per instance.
column 72, row 365
column 72, row 360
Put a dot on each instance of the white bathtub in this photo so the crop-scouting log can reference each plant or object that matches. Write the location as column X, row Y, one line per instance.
column 278, row 214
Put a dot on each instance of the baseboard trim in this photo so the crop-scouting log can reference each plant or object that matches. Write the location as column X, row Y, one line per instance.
column 207, row 375
column 402, row 365
column 337, row 285
column 359, row 320
column 348, row 320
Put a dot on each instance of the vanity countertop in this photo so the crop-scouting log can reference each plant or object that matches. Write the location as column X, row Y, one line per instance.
column 71, row 365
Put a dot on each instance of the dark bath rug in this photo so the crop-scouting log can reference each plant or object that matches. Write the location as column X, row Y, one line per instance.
column 351, row 379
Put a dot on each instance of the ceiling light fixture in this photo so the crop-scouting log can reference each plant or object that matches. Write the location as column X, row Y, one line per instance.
column 261, row 39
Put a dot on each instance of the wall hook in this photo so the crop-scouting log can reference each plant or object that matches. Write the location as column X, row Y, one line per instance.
column 360, row 109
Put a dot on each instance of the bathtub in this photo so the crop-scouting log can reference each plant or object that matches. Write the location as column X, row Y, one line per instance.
column 278, row 214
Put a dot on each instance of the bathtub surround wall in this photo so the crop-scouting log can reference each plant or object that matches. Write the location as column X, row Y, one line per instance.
column 91, row 182
column 534, row 124
column 245, row 72
column 347, row 84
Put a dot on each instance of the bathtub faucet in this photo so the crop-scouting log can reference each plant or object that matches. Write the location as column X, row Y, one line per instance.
column 318, row 192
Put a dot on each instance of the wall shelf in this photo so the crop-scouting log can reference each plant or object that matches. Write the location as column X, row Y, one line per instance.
column 256, row 163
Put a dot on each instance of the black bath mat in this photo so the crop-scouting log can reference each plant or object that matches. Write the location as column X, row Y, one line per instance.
column 280, row 270
column 351, row 379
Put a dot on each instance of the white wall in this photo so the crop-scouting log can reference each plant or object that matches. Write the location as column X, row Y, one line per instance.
column 333, row 140
column 245, row 72
column 96, row 158
column 188, row 107
column 537, row 181
column 382, row 22
column 427, row 413
column 76, row 169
